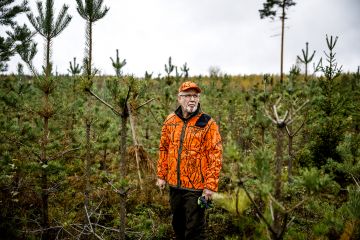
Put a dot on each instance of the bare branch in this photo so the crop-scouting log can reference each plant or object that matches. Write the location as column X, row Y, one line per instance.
column 132, row 125
column 288, row 131
column 63, row 153
column 301, row 107
column 285, row 117
column 90, row 225
column 155, row 118
column 297, row 131
column 277, row 203
column 107, row 104
column 269, row 116
column 297, row 205
column 274, row 107
column 278, row 100
column 148, row 101
column 261, row 216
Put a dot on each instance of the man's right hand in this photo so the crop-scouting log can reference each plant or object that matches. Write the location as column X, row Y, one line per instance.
column 160, row 183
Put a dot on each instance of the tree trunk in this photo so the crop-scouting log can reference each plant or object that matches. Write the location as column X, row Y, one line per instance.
column 123, row 172
column 290, row 154
column 282, row 43
column 278, row 171
column 136, row 145
column 44, row 180
column 87, row 169
column 47, row 69
column 90, row 46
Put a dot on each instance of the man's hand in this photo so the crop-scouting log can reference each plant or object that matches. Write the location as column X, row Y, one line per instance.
column 160, row 183
column 208, row 194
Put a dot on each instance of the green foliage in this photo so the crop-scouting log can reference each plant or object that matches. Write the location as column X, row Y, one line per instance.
column 262, row 169
column 8, row 12
column 185, row 69
column 353, row 205
column 74, row 68
column 268, row 7
column 331, row 109
column 315, row 180
column 45, row 24
column 146, row 223
column 306, row 58
column 235, row 202
column 92, row 10
column 117, row 64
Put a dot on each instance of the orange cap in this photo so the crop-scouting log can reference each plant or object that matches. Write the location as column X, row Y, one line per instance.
column 189, row 85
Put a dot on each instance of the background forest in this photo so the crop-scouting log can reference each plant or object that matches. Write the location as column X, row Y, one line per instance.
column 78, row 151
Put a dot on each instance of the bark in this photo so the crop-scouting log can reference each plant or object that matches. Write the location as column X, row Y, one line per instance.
column 291, row 155
column 44, row 180
column 137, row 157
column 123, row 173
column 278, row 171
column 87, row 168
column 282, row 42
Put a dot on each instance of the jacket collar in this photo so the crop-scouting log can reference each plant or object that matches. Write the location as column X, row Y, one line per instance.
column 179, row 113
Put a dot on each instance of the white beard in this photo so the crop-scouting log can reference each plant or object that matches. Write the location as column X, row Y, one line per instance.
column 190, row 109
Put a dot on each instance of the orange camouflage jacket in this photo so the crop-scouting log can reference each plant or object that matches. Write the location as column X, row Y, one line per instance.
column 190, row 152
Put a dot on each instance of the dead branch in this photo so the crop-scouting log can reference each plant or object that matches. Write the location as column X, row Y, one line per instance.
column 277, row 203
column 105, row 103
column 90, row 225
column 297, row 131
column 155, row 118
column 132, row 125
column 297, row 110
column 261, row 216
column 148, row 101
column 63, row 153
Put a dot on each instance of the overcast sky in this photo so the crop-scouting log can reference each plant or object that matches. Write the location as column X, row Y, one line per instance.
column 228, row 34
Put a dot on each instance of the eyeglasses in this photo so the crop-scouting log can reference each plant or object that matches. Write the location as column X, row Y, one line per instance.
column 189, row 96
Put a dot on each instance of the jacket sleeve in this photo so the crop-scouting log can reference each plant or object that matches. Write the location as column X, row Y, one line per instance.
column 214, row 157
column 162, row 164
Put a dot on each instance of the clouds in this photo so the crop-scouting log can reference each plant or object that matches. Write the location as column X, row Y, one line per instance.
column 228, row 34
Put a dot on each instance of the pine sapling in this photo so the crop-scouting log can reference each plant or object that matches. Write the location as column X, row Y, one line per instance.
column 117, row 64
column 74, row 68
column 185, row 70
column 306, row 58
column 169, row 69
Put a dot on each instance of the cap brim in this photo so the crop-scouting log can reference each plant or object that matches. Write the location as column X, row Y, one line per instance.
column 195, row 88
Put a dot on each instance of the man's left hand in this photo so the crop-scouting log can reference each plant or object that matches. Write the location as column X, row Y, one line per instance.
column 208, row 194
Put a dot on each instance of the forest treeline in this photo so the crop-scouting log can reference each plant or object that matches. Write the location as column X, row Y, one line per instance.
column 78, row 151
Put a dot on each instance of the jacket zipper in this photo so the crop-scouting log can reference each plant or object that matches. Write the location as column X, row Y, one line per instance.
column 179, row 152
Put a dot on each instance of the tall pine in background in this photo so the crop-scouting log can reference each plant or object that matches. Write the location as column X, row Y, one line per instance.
column 270, row 9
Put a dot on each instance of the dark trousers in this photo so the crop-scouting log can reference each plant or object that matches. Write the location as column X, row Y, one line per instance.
column 188, row 217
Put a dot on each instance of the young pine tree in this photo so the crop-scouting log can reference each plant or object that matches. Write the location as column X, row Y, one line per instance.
column 48, row 27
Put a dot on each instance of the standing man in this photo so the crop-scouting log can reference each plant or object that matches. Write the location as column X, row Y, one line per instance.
column 190, row 156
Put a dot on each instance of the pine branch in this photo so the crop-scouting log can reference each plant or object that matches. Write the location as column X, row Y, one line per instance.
column 105, row 103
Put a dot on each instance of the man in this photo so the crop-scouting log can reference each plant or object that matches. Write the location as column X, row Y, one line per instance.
column 190, row 156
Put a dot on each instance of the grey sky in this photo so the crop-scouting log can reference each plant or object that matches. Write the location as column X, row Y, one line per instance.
column 228, row 34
